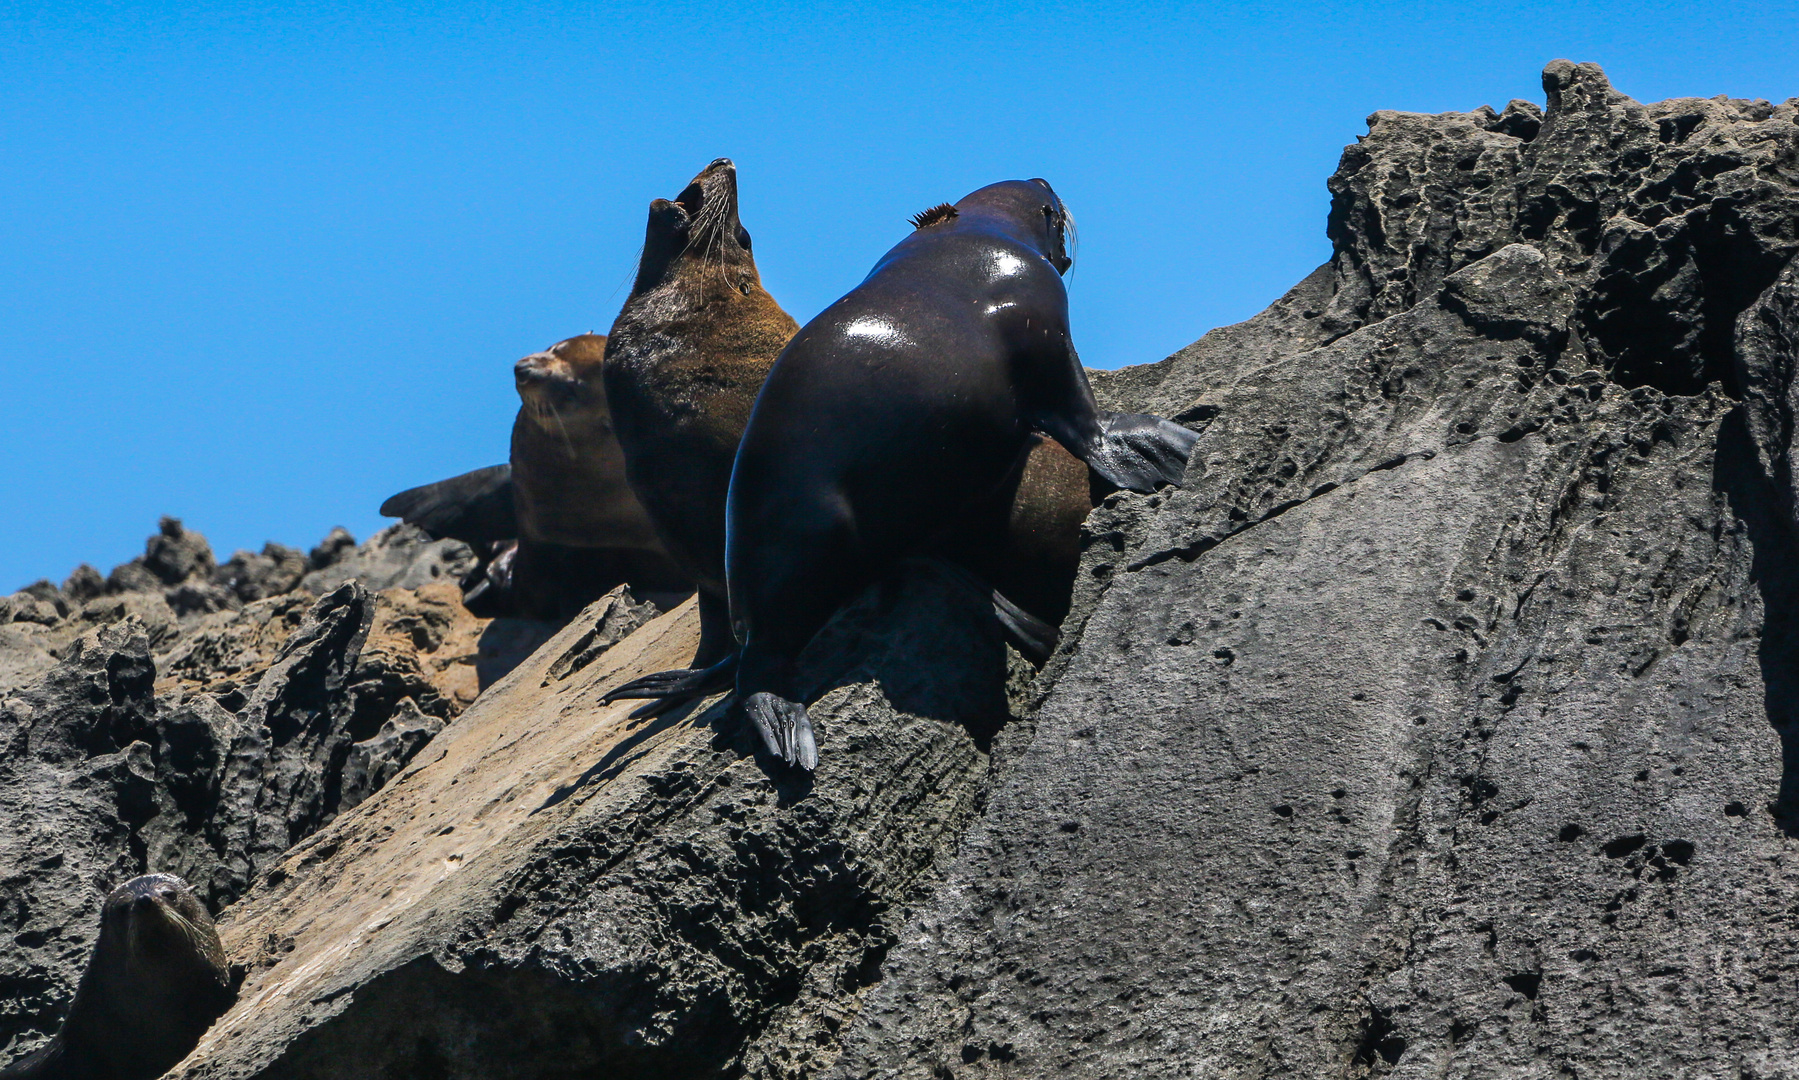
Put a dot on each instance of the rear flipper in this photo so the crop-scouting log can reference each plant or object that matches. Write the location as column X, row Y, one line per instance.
column 475, row 507
column 785, row 728
column 678, row 684
column 1141, row 452
column 488, row 593
column 1032, row 636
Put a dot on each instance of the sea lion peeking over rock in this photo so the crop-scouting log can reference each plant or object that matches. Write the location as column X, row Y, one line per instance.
column 156, row 982
column 907, row 403
column 559, row 523
column 684, row 362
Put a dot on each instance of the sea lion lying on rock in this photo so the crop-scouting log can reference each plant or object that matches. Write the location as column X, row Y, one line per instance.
column 156, row 982
column 559, row 524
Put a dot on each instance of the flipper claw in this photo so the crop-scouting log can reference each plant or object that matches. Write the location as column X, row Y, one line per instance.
column 681, row 684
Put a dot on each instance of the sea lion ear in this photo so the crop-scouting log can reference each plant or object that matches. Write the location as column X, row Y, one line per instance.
column 936, row 215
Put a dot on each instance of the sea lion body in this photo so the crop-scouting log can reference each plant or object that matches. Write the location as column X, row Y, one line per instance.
column 156, row 982
column 568, row 470
column 910, row 401
column 684, row 362
column 559, row 523
column 1026, row 541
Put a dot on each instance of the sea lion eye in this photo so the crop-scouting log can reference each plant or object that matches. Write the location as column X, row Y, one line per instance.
column 743, row 238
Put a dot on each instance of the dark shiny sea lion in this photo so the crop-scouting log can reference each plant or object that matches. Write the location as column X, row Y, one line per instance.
column 684, row 361
column 156, row 982
column 559, row 521
column 906, row 403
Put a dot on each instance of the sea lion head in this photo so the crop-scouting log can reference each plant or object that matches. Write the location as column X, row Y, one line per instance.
column 162, row 931
column 697, row 234
column 562, row 384
column 1029, row 209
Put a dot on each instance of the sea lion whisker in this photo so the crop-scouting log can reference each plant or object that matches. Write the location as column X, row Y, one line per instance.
column 560, row 426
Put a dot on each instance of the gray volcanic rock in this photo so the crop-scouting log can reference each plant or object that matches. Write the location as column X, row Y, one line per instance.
column 397, row 557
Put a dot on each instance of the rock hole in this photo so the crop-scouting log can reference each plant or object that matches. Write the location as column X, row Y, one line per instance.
column 1623, row 845
column 1525, row 982
column 1283, row 810
column 1735, row 809
column 1380, row 1039
column 1675, row 129
column 1680, row 851
column 1570, row 833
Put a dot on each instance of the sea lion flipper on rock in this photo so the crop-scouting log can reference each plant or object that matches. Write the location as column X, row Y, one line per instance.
column 475, row 507
column 1034, row 638
column 1134, row 451
column 680, row 684
column 785, row 727
column 1157, row 448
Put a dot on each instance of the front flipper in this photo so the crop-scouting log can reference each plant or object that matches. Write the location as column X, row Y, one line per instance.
column 680, row 684
column 475, row 507
column 785, row 728
column 1142, row 452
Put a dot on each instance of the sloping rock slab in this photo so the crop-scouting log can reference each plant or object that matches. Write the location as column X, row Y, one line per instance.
column 552, row 889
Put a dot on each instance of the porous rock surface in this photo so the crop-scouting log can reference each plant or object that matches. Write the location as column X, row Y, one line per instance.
column 1444, row 723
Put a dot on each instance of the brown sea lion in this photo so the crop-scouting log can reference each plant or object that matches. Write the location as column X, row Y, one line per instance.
column 156, row 982
column 910, row 401
column 684, row 361
column 559, row 523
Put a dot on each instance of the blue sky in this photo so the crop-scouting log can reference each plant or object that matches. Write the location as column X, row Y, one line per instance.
column 261, row 266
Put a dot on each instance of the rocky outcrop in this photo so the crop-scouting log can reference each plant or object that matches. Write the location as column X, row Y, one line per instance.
column 146, row 730
column 180, row 592
column 1440, row 725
